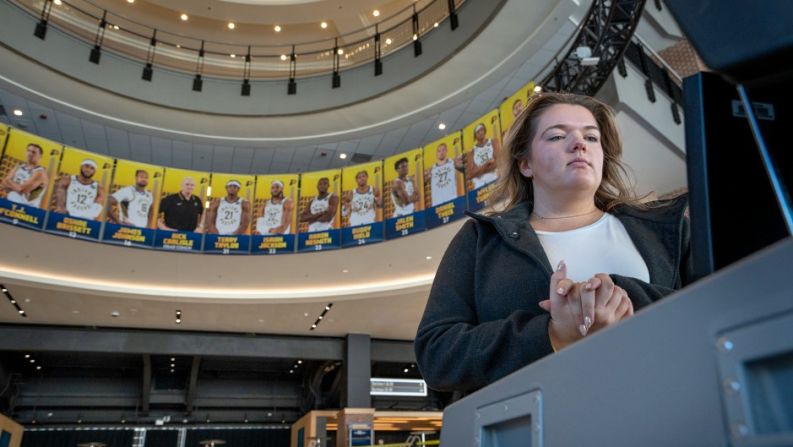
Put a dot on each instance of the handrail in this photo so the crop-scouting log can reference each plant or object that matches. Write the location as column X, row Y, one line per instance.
column 85, row 20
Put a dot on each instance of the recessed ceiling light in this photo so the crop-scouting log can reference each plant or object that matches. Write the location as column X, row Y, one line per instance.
column 183, row 17
column 405, row 370
column 345, row 271
column 428, row 258
column 277, row 28
column 32, row 360
column 173, row 359
column 18, row 112
column 178, row 321
column 13, row 301
column 38, row 367
column 441, row 126
column 130, row 1
column 27, row 356
column 173, row 365
column 232, row 55
column 537, row 89
column 435, row 24
column 115, row 27
column 232, row 25
column 415, row 37
column 178, row 46
column 323, row 25
column 58, row 2
column 388, row 41
column 340, row 51
column 342, row 155
column 313, row 326
column 327, row 307
column 320, row 317
column 376, row 13
column 305, row 314
column 21, row 312
column 299, row 362
column 4, row 290
column 283, row 57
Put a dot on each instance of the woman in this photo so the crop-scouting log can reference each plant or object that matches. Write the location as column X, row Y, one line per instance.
column 497, row 304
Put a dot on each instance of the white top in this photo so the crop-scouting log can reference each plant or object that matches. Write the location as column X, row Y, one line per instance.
column 602, row 247
column 483, row 154
column 136, row 206
column 273, row 215
column 320, row 206
column 399, row 208
column 229, row 216
column 81, row 199
column 22, row 174
column 362, row 205
column 443, row 182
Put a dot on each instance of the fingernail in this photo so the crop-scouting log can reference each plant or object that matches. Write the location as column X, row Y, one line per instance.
column 560, row 291
column 587, row 322
column 582, row 329
column 560, row 266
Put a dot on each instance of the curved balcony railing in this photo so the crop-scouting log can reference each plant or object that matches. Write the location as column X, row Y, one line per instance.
column 105, row 30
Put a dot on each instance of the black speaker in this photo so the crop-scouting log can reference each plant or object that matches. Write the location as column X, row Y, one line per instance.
column 246, row 88
column 96, row 53
column 291, row 89
column 336, row 82
column 198, row 83
column 147, row 73
column 378, row 67
column 41, row 30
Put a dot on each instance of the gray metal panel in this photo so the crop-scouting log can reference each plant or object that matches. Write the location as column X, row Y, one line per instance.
column 118, row 143
column 416, row 134
column 241, row 160
column 262, row 158
column 221, row 160
column 95, row 138
column 653, row 380
column 283, row 155
column 161, row 151
column 182, row 154
column 369, row 144
column 202, row 157
column 140, row 147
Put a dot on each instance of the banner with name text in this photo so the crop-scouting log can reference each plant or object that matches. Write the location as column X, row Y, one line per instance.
column 228, row 218
column 403, row 194
column 181, row 210
column 362, row 204
column 77, row 207
column 444, row 181
column 481, row 145
column 318, row 211
column 132, row 199
column 275, row 222
column 27, row 173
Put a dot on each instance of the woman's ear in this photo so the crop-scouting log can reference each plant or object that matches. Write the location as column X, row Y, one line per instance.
column 525, row 168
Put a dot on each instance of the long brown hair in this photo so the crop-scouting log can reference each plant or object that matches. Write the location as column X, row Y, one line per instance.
column 513, row 188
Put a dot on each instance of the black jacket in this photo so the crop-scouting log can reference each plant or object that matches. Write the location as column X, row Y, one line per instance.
column 482, row 320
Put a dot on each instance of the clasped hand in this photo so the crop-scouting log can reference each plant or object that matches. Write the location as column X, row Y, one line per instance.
column 578, row 308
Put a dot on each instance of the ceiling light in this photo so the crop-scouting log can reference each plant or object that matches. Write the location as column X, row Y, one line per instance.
column 183, row 17
column 283, row 57
column 130, row 1
column 277, row 28
column 342, row 155
column 115, row 27
column 173, row 359
column 538, row 89
column 32, row 360
column 21, row 312
column 178, row 321
column 178, row 46
column 4, row 290
column 27, row 356
column 320, row 317
column 405, row 370
column 291, row 371
column 232, row 55
column 313, row 326
column 13, row 301
column 173, row 365
column 18, row 112
column 345, row 271
column 441, row 126
column 299, row 362
column 340, row 51
column 388, row 41
column 376, row 13
column 415, row 37
column 327, row 307
column 232, row 25
column 38, row 367
column 58, row 2
column 435, row 24
column 323, row 25
column 172, row 370
column 428, row 258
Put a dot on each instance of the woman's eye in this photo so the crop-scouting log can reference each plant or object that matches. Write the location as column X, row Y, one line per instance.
column 555, row 138
column 592, row 138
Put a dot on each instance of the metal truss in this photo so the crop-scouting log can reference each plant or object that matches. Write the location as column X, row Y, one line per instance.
column 607, row 30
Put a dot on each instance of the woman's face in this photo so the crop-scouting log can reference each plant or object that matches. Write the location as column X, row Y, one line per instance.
column 566, row 151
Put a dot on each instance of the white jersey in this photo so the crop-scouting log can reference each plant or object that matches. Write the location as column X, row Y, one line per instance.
column 273, row 215
column 81, row 199
column 229, row 216
column 408, row 208
column 443, row 182
column 320, row 206
column 362, row 205
column 137, row 205
column 483, row 154
column 21, row 175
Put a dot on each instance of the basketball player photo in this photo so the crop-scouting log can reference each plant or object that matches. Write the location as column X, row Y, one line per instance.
column 275, row 211
column 481, row 145
column 319, row 210
column 80, row 193
column 513, row 105
column 26, row 171
column 444, row 180
column 131, row 219
column 229, row 215
column 362, row 204
column 403, row 193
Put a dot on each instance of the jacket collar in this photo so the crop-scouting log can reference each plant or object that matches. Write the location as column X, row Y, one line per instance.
column 515, row 230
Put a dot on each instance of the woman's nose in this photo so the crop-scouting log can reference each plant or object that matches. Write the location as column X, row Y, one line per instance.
column 578, row 144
